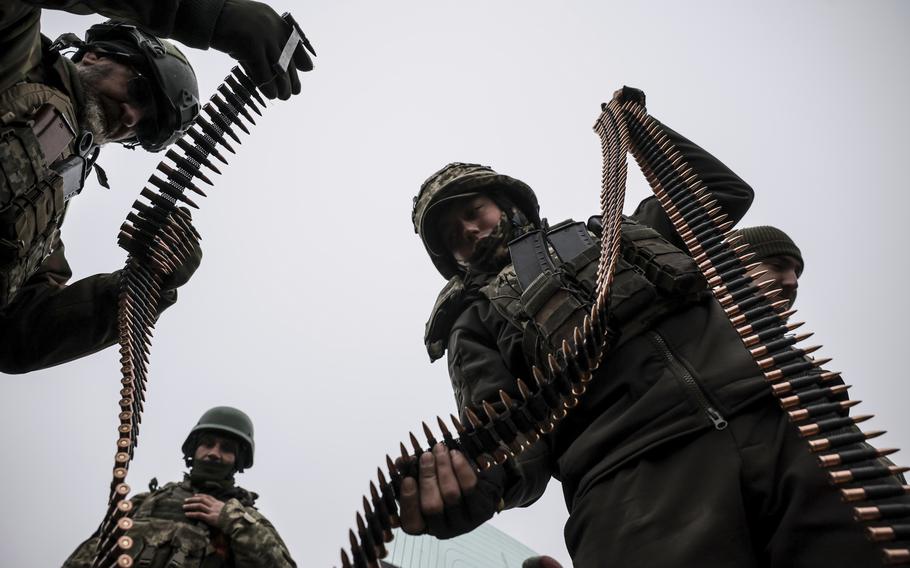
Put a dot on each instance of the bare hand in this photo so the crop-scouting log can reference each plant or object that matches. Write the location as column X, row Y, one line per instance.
column 204, row 508
column 444, row 477
column 449, row 498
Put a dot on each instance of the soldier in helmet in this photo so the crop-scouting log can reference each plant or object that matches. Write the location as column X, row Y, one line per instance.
column 677, row 454
column 122, row 85
column 215, row 521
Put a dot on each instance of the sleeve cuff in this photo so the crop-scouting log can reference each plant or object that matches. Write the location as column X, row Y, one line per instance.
column 233, row 517
column 195, row 22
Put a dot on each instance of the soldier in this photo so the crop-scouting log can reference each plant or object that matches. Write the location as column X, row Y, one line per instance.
column 204, row 520
column 122, row 85
column 677, row 454
column 779, row 256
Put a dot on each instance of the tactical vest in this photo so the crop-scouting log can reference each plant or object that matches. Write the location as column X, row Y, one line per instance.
column 549, row 287
column 39, row 164
column 165, row 538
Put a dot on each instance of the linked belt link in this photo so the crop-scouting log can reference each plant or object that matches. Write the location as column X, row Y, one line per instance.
column 159, row 237
column 491, row 436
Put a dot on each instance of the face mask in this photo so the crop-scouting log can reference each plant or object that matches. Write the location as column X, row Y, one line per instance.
column 204, row 471
column 492, row 253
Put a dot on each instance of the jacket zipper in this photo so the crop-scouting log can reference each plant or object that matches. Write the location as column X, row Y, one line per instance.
column 713, row 415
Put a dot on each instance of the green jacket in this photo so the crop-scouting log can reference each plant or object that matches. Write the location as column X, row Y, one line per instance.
column 241, row 538
column 50, row 322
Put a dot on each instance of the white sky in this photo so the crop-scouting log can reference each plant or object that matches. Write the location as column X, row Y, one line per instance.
column 308, row 309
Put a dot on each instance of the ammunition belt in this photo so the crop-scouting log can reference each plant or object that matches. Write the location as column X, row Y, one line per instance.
column 797, row 380
column 158, row 237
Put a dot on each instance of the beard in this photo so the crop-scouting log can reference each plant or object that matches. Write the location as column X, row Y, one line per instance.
column 94, row 118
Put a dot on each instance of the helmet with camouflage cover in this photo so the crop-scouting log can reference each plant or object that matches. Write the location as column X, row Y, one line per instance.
column 456, row 181
column 166, row 84
column 224, row 420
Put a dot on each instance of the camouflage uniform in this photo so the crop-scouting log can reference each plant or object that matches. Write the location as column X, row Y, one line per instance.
column 243, row 538
column 48, row 322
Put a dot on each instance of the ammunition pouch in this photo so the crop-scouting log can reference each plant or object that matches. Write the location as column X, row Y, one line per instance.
column 163, row 543
column 33, row 193
column 163, row 537
column 549, row 287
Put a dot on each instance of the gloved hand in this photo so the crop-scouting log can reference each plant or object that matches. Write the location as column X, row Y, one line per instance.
column 449, row 498
column 254, row 34
column 629, row 94
column 190, row 253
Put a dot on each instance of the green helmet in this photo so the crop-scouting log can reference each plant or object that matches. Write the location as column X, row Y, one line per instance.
column 166, row 86
column 224, row 420
column 455, row 181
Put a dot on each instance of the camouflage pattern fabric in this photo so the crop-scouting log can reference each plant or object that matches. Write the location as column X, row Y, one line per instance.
column 458, row 180
column 242, row 537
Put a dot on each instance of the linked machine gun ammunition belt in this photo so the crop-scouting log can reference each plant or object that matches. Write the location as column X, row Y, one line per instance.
column 812, row 396
column 158, row 237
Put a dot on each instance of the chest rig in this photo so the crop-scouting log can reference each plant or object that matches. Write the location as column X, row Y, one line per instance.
column 548, row 289
column 43, row 162
column 165, row 538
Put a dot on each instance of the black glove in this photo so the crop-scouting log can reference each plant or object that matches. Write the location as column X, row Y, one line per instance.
column 629, row 94
column 475, row 508
column 254, row 34
column 190, row 254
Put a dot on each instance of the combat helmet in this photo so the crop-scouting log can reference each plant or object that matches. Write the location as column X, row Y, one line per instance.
column 166, row 87
column 226, row 420
column 455, row 181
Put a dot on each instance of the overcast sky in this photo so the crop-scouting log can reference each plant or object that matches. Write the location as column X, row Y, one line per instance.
column 309, row 306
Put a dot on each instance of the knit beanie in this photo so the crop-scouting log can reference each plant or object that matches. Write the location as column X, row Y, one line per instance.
column 766, row 242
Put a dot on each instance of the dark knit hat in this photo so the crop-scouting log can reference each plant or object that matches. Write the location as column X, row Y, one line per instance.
column 766, row 242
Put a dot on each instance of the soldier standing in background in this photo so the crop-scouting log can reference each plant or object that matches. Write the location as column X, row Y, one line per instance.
column 123, row 85
column 204, row 521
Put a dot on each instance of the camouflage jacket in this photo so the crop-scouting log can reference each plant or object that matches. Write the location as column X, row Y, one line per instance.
column 50, row 322
column 241, row 538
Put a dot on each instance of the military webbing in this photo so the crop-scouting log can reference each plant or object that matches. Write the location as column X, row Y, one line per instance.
column 530, row 257
column 158, row 238
column 796, row 379
column 530, row 252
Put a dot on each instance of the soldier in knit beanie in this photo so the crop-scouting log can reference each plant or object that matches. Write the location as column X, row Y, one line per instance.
column 778, row 255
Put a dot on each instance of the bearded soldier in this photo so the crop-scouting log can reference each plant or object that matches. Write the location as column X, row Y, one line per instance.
column 122, row 85
column 205, row 520
column 677, row 454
